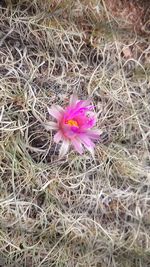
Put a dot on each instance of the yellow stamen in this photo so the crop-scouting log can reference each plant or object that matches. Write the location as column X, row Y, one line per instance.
column 72, row 123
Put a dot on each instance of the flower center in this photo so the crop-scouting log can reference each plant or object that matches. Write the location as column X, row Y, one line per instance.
column 72, row 123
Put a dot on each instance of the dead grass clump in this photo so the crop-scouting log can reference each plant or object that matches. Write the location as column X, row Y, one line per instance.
column 77, row 211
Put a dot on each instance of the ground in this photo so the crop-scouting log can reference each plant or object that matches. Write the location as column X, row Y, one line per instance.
column 76, row 211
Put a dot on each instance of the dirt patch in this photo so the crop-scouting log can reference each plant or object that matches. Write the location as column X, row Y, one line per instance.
column 132, row 14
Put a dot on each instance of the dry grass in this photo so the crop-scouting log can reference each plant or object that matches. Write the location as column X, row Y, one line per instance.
column 74, row 212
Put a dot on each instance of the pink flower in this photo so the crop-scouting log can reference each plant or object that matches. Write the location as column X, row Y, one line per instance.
column 74, row 125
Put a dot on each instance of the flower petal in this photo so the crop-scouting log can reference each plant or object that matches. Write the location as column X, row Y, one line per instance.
column 64, row 148
column 73, row 100
column 86, row 140
column 94, row 134
column 87, row 143
column 83, row 103
column 77, row 145
column 51, row 125
column 58, row 136
column 91, row 121
column 56, row 112
column 69, row 131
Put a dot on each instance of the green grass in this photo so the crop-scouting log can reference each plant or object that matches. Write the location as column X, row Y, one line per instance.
column 77, row 211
